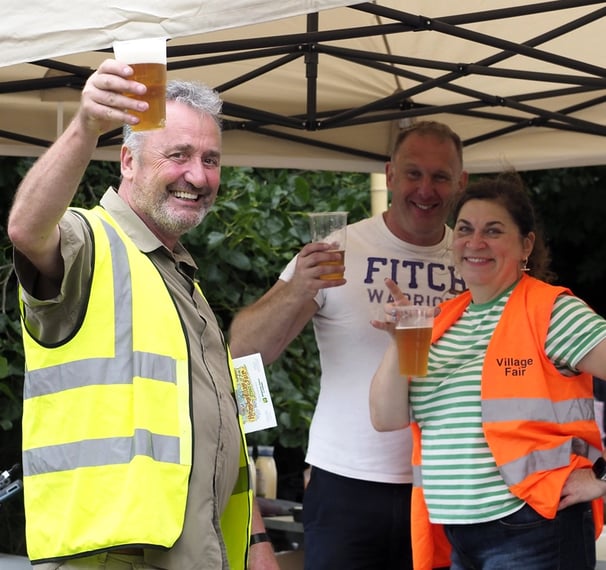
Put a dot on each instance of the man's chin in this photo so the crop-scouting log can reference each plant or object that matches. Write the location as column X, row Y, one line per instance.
column 190, row 222
column 177, row 226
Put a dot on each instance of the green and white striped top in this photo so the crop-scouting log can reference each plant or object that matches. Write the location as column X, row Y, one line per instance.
column 461, row 482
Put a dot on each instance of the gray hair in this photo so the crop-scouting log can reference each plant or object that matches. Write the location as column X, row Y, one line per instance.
column 194, row 94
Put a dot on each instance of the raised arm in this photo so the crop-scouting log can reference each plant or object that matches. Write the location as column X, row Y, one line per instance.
column 271, row 323
column 49, row 187
column 388, row 390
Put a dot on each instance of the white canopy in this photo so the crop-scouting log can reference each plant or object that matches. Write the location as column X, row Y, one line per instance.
column 322, row 85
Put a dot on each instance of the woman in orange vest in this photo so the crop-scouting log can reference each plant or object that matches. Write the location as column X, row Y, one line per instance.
column 508, row 467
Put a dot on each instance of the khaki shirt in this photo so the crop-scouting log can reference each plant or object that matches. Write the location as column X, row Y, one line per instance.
column 216, row 437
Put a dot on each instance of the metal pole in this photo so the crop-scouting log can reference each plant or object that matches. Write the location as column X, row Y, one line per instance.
column 378, row 192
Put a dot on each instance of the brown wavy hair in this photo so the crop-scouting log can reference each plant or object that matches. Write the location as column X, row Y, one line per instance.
column 508, row 190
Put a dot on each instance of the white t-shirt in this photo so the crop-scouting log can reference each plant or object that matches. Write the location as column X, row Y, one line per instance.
column 342, row 439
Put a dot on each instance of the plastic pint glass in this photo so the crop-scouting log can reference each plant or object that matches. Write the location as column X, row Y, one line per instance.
column 414, row 324
column 330, row 227
column 147, row 57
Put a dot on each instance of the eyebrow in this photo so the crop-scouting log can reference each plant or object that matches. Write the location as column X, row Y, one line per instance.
column 409, row 165
column 188, row 148
column 492, row 223
column 182, row 148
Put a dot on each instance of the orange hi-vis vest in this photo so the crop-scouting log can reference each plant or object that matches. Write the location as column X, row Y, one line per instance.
column 538, row 423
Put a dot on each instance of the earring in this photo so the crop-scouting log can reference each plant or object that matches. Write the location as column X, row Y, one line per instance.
column 525, row 264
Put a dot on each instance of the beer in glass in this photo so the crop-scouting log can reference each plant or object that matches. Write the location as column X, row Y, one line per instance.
column 330, row 227
column 147, row 57
column 414, row 326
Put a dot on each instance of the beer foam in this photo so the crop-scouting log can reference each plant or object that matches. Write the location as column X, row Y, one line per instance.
column 148, row 50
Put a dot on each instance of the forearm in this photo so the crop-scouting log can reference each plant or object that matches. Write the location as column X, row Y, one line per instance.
column 389, row 394
column 269, row 325
column 50, row 185
column 257, row 525
column 262, row 556
column 44, row 195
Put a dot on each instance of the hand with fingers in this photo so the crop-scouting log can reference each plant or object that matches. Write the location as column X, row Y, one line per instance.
column 105, row 102
column 399, row 299
column 311, row 267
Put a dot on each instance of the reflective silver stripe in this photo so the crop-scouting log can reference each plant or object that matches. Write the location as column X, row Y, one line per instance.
column 541, row 460
column 96, row 371
column 97, row 452
column 119, row 369
column 540, row 410
column 537, row 409
column 546, row 459
column 417, row 476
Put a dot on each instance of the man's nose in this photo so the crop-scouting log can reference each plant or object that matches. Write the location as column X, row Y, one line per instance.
column 425, row 184
column 196, row 173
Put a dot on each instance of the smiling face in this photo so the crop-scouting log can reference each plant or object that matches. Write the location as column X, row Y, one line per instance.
column 173, row 180
column 489, row 249
column 423, row 177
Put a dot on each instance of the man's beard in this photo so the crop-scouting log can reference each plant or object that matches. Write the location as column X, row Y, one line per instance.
column 166, row 219
column 176, row 224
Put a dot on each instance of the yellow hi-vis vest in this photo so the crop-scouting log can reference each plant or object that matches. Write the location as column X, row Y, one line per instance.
column 107, row 434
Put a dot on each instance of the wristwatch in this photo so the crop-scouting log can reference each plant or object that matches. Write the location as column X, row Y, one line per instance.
column 599, row 468
column 259, row 537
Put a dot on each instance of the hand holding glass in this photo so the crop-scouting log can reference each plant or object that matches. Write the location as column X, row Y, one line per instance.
column 414, row 325
column 330, row 227
column 147, row 57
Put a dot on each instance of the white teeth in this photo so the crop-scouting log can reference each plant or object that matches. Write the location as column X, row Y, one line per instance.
column 475, row 259
column 185, row 195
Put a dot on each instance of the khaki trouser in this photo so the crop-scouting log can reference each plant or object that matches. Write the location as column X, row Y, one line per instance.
column 103, row 561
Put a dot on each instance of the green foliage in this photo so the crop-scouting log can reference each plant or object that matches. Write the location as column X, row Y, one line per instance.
column 11, row 349
column 11, row 362
column 257, row 225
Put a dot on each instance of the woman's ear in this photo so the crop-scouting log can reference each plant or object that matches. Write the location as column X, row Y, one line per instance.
column 529, row 243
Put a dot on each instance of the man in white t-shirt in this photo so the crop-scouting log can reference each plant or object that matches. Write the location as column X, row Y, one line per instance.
column 356, row 508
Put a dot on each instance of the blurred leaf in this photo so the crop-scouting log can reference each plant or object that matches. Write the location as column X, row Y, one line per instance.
column 3, row 370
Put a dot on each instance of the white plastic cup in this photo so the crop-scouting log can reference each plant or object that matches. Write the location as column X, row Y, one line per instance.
column 330, row 227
